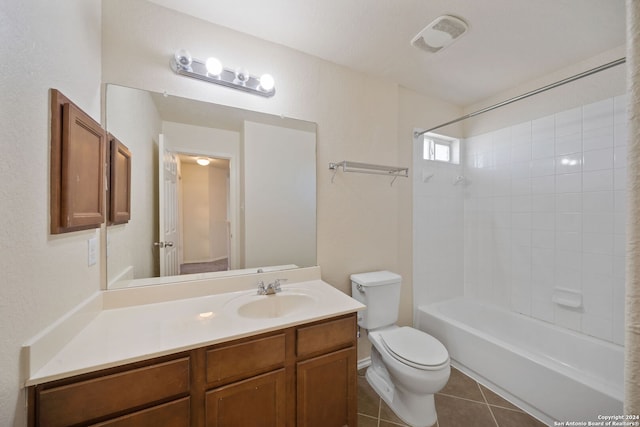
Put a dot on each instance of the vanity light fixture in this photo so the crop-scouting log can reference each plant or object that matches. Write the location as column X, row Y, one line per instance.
column 213, row 71
column 203, row 161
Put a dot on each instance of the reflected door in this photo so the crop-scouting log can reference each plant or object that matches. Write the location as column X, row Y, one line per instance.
column 168, row 218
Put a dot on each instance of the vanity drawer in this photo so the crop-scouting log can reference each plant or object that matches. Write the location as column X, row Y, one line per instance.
column 91, row 399
column 174, row 414
column 242, row 360
column 326, row 336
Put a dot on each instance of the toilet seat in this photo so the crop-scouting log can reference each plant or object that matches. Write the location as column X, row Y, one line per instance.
column 415, row 348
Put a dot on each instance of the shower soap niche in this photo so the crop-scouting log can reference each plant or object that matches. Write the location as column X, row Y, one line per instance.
column 567, row 297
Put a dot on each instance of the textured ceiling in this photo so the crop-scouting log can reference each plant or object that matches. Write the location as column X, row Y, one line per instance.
column 509, row 41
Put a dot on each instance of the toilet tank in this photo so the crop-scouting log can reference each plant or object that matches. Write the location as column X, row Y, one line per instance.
column 380, row 292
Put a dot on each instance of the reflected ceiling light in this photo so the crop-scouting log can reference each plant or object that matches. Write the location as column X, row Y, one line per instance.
column 568, row 162
column 202, row 161
column 213, row 71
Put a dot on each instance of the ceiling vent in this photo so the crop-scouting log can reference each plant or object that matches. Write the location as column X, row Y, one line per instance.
column 440, row 33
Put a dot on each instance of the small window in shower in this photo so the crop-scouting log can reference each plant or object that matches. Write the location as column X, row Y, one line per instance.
column 440, row 148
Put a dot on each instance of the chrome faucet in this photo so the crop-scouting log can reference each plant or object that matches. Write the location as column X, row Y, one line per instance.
column 271, row 288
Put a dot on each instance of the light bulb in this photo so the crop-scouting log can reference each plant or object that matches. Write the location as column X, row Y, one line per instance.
column 183, row 58
column 202, row 161
column 267, row 83
column 214, row 66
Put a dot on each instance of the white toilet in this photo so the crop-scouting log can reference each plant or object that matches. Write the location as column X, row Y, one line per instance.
column 408, row 366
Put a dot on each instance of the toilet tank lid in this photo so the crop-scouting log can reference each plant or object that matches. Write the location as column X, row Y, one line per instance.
column 376, row 278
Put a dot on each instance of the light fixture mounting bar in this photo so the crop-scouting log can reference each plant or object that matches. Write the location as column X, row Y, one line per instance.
column 198, row 70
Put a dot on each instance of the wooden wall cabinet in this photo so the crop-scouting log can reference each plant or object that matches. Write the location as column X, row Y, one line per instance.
column 119, row 182
column 301, row 376
column 77, row 167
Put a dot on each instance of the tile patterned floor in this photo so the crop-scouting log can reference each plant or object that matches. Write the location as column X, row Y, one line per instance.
column 462, row 403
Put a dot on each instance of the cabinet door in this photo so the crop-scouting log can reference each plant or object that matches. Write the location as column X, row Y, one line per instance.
column 77, row 167
column 256, row 402
column 327, row 390
column 120, row 182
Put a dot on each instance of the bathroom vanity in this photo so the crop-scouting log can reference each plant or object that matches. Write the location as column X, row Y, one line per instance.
column 283, row 360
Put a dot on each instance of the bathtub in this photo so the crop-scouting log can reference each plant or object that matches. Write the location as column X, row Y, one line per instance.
column 553, row 373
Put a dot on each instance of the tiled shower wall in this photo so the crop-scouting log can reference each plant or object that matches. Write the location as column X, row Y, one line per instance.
column 438, row 230
column 544, row 208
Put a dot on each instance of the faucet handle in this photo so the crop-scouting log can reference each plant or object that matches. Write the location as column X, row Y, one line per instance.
column 261, row 288
column 276, row 284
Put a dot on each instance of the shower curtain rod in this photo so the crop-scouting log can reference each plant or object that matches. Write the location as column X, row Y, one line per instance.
column 527, row 95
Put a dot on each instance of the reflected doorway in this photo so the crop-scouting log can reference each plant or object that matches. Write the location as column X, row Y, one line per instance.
column 205, row 214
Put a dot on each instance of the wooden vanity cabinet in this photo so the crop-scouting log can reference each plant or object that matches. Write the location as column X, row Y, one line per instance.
column 246, row 382
column 326, row 374
column 117, row 397
column 301, row 376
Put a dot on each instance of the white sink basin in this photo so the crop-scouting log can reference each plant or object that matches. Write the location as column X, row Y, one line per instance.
column 270, row 306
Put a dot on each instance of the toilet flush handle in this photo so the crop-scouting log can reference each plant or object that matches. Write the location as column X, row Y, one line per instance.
column 360, row 288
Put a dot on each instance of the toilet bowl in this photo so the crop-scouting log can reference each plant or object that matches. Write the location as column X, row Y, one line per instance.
column 408, row 366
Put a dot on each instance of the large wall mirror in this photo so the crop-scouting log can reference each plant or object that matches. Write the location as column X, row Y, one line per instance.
column 215, row 190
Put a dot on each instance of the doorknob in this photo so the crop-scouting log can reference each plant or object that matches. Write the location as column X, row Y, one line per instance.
column 163, row 244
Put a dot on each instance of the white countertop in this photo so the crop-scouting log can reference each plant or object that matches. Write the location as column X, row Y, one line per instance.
column 123, row 335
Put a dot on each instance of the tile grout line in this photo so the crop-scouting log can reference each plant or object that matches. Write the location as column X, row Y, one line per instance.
column 462, row 398
column 379, row 409
column 487, row 403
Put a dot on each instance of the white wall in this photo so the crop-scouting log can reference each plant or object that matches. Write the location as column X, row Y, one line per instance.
column 195, row 213
column 46, row 44
column 590, row 89
column 219, row 185
column 279, row 197
column 204, row 212
column 137, row 126
column 186, row 138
